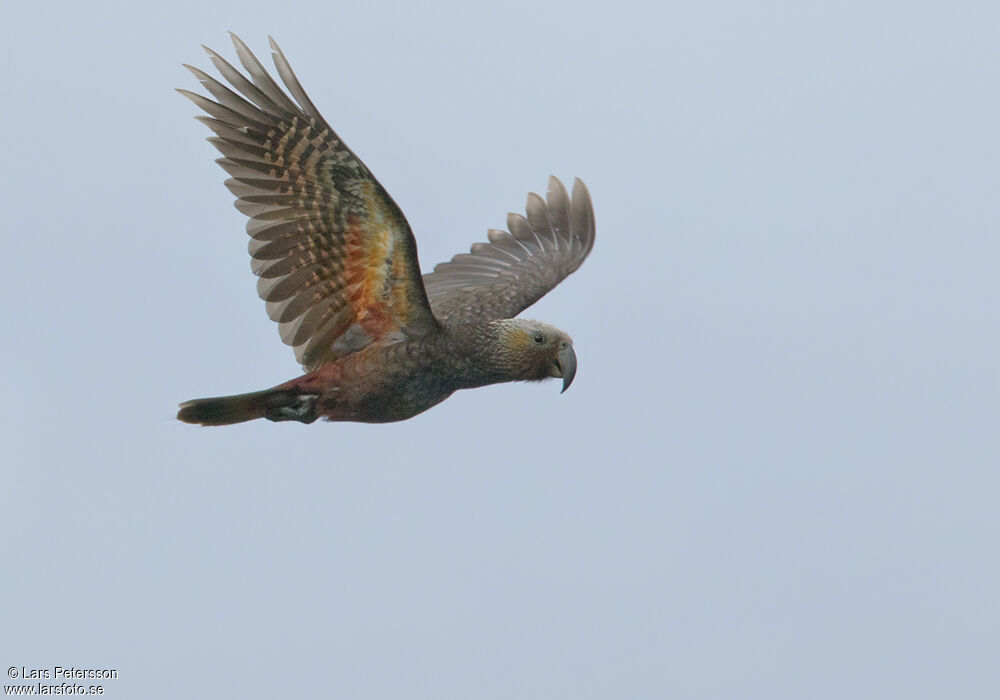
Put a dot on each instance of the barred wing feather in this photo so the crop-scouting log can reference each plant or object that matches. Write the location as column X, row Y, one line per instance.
column 499, row 279
column 336, row 258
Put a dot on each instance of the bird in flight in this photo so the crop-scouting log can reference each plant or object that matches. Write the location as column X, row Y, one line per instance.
column 338, row 269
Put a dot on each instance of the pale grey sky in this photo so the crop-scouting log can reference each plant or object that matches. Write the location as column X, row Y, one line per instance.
column 775, row 476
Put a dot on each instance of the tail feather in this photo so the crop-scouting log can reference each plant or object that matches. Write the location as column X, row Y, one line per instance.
column 226, row 410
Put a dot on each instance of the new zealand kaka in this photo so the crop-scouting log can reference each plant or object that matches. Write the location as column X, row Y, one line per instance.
column 338, row 269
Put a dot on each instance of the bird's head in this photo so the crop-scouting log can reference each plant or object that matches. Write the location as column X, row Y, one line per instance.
column 533, row 350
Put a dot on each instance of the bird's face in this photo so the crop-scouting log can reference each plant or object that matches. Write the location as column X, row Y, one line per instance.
column 541, row 351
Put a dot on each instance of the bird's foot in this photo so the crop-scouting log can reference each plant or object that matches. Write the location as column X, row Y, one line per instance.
column 300, row 408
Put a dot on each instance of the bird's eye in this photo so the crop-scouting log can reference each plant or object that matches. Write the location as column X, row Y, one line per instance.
column 539, row 338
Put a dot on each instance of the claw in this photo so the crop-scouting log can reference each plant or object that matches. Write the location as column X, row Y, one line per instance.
column 301, row 408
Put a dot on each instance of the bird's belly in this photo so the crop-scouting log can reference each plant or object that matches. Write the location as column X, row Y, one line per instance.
column 383, row 399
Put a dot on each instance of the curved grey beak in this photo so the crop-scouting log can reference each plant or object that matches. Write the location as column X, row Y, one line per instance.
column 566, row 361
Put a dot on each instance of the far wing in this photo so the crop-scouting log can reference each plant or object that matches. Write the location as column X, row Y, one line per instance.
column 501, row 278
column 336, row 258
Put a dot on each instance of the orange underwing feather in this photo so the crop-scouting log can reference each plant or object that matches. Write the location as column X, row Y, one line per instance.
column 335, row 256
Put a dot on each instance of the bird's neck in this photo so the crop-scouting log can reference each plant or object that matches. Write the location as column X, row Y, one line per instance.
column 478, row 356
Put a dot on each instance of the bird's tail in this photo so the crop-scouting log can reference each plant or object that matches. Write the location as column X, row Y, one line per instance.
column 227, row 410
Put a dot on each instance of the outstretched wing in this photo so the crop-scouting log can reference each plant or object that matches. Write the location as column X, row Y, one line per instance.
column 336, row 258
column 501, row 278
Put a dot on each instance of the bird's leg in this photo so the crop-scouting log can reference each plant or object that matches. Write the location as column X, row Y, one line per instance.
column 284, row 406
